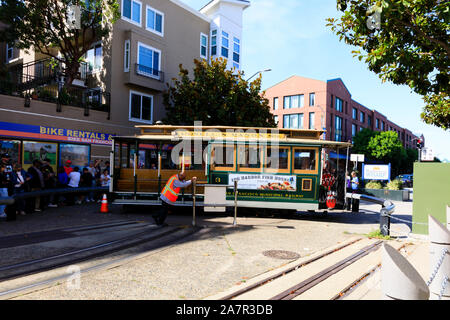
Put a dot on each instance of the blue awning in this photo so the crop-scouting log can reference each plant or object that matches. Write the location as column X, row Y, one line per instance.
column 334, row 155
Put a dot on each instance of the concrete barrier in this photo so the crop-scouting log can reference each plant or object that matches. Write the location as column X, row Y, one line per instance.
column 439, row 259
column 399, row 279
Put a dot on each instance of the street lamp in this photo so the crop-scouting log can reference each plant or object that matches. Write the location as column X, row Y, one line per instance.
column 267, row 70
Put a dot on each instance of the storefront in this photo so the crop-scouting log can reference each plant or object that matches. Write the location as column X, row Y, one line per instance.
column 25, row 143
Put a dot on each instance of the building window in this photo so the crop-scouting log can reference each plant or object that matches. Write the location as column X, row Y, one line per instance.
column 382, row 125
column 141, row 107
column 203, row 45
column 149, row 60
column 9, row 52
column 369, row 120
column 225, row 44
column 94, row 57
column 293, row 121
column 338, row 131
column 311, row 120
column 213, row 42
column 331, row 102
column 236, row 50
column 339, row 104
column 361, row 116
column 155, row 21
column 353, row 129
column 275, row 118
column 312, row 98
column 126, row 56
column 275, row 103
column 131, row 11
column 293, row 101
column 355, row 113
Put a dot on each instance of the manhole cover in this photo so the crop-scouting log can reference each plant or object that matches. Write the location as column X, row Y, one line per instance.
column 281, row 254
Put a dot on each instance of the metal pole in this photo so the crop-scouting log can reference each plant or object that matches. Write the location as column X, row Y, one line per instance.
column 235, row 202
column 345, row 184
column 194, row 189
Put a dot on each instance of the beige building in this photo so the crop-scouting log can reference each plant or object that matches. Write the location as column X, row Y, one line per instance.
column 121, row 83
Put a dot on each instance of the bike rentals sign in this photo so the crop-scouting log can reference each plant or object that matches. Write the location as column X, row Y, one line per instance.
column 376, row 171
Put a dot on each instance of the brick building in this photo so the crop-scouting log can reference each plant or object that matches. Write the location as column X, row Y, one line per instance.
column 304, row 103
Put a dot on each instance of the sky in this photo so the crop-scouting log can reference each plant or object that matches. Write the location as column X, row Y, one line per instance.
column 290, row 37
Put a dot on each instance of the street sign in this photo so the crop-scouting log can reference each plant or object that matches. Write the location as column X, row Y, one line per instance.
column 427, row 154
column 357, row 157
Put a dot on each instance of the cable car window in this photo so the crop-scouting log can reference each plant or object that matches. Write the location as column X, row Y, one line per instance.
column 277, row 159
column 305, row 160
column 222, row 158
column 249, row 158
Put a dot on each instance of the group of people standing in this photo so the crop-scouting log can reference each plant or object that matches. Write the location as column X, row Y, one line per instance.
column 40, row 176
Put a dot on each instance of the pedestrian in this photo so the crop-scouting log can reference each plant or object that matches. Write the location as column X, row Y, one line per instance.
column 49, row 181
column 63, row 180
column 36, row 182
column 105, row 178
column 74, row 181
column 68, row 167
column 355, row 187
column 169, row 195
column 108, row 167
column 20, row 179
column 86, row 182
column 4, row 184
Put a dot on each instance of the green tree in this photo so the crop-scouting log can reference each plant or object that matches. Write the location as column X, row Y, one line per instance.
column 42, row 25
column 387, row 147
column 361, row 142
column 216, row 96
column 409, row 44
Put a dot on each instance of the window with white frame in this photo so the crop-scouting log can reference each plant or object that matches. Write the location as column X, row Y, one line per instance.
column 131, row 11
column 213, row 42
column 275, row 103
column 149, row 61
column 9, row 52
column 141, row 107
column 236, row 52
column 225, row 44
column 155, row 21
column 203, row 46
column 94, row 57
column 311, row 120
column 290, row 102
column 126, row 56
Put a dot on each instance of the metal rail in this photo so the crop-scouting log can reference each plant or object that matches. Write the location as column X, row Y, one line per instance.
column 25, row 195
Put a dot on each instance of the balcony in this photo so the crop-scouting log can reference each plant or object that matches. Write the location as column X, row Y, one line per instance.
column 146, row 77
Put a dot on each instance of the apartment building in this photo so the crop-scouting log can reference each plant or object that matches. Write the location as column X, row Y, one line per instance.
column 300, row 102
column 120, row 84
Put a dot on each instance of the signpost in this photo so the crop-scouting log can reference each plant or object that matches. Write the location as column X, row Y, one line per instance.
column 426, row 154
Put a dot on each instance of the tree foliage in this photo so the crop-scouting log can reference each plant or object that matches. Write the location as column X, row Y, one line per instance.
column 216, row 96
column 386, row 147
column 411, row 46
column 42, row 25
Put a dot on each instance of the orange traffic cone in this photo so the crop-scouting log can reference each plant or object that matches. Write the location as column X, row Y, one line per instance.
column 104, row 207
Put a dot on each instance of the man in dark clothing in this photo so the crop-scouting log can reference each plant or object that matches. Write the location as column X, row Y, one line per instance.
column 86, row 182
column 49, row 181
column 36, row 182
column 5, row 187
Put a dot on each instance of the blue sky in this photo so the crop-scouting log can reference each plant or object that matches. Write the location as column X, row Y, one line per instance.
column 290, row 37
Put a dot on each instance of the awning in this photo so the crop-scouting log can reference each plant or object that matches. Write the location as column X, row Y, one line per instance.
column 334, row 155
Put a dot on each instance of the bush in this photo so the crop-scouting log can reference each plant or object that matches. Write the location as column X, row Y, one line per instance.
column 394, row 185
column 374, row 185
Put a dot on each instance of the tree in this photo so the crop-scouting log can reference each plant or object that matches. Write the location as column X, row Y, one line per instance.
column 43, row 25
column 361, row 141
column 409, row 43
column 216, row 96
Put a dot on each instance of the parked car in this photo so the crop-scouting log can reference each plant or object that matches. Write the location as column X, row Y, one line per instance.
column 407, row 179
